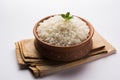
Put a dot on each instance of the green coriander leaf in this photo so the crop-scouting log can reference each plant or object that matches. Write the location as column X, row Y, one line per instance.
column 63, row 15
column 70, row 17
column 66, row 16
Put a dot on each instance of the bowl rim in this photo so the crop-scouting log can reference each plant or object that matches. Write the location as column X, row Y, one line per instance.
column 91, row 32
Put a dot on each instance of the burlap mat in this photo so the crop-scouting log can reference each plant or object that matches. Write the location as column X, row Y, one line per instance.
column 29, row 58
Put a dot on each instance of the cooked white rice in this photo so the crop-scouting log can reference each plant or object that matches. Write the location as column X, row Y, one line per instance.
column 58, row 32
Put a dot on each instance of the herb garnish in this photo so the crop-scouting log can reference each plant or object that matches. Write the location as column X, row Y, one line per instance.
column 67, row 16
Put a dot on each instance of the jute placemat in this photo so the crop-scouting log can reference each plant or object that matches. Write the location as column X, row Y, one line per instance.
column 29, row 58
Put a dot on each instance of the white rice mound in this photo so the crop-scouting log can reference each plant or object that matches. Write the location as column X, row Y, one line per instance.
column 58, row 32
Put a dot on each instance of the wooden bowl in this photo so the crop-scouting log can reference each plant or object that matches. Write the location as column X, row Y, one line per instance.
column 58, row 53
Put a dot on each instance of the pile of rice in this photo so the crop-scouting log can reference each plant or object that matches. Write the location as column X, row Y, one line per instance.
column 56, row 31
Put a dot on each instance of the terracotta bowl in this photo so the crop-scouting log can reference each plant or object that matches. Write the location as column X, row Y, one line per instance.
column 57, row 53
